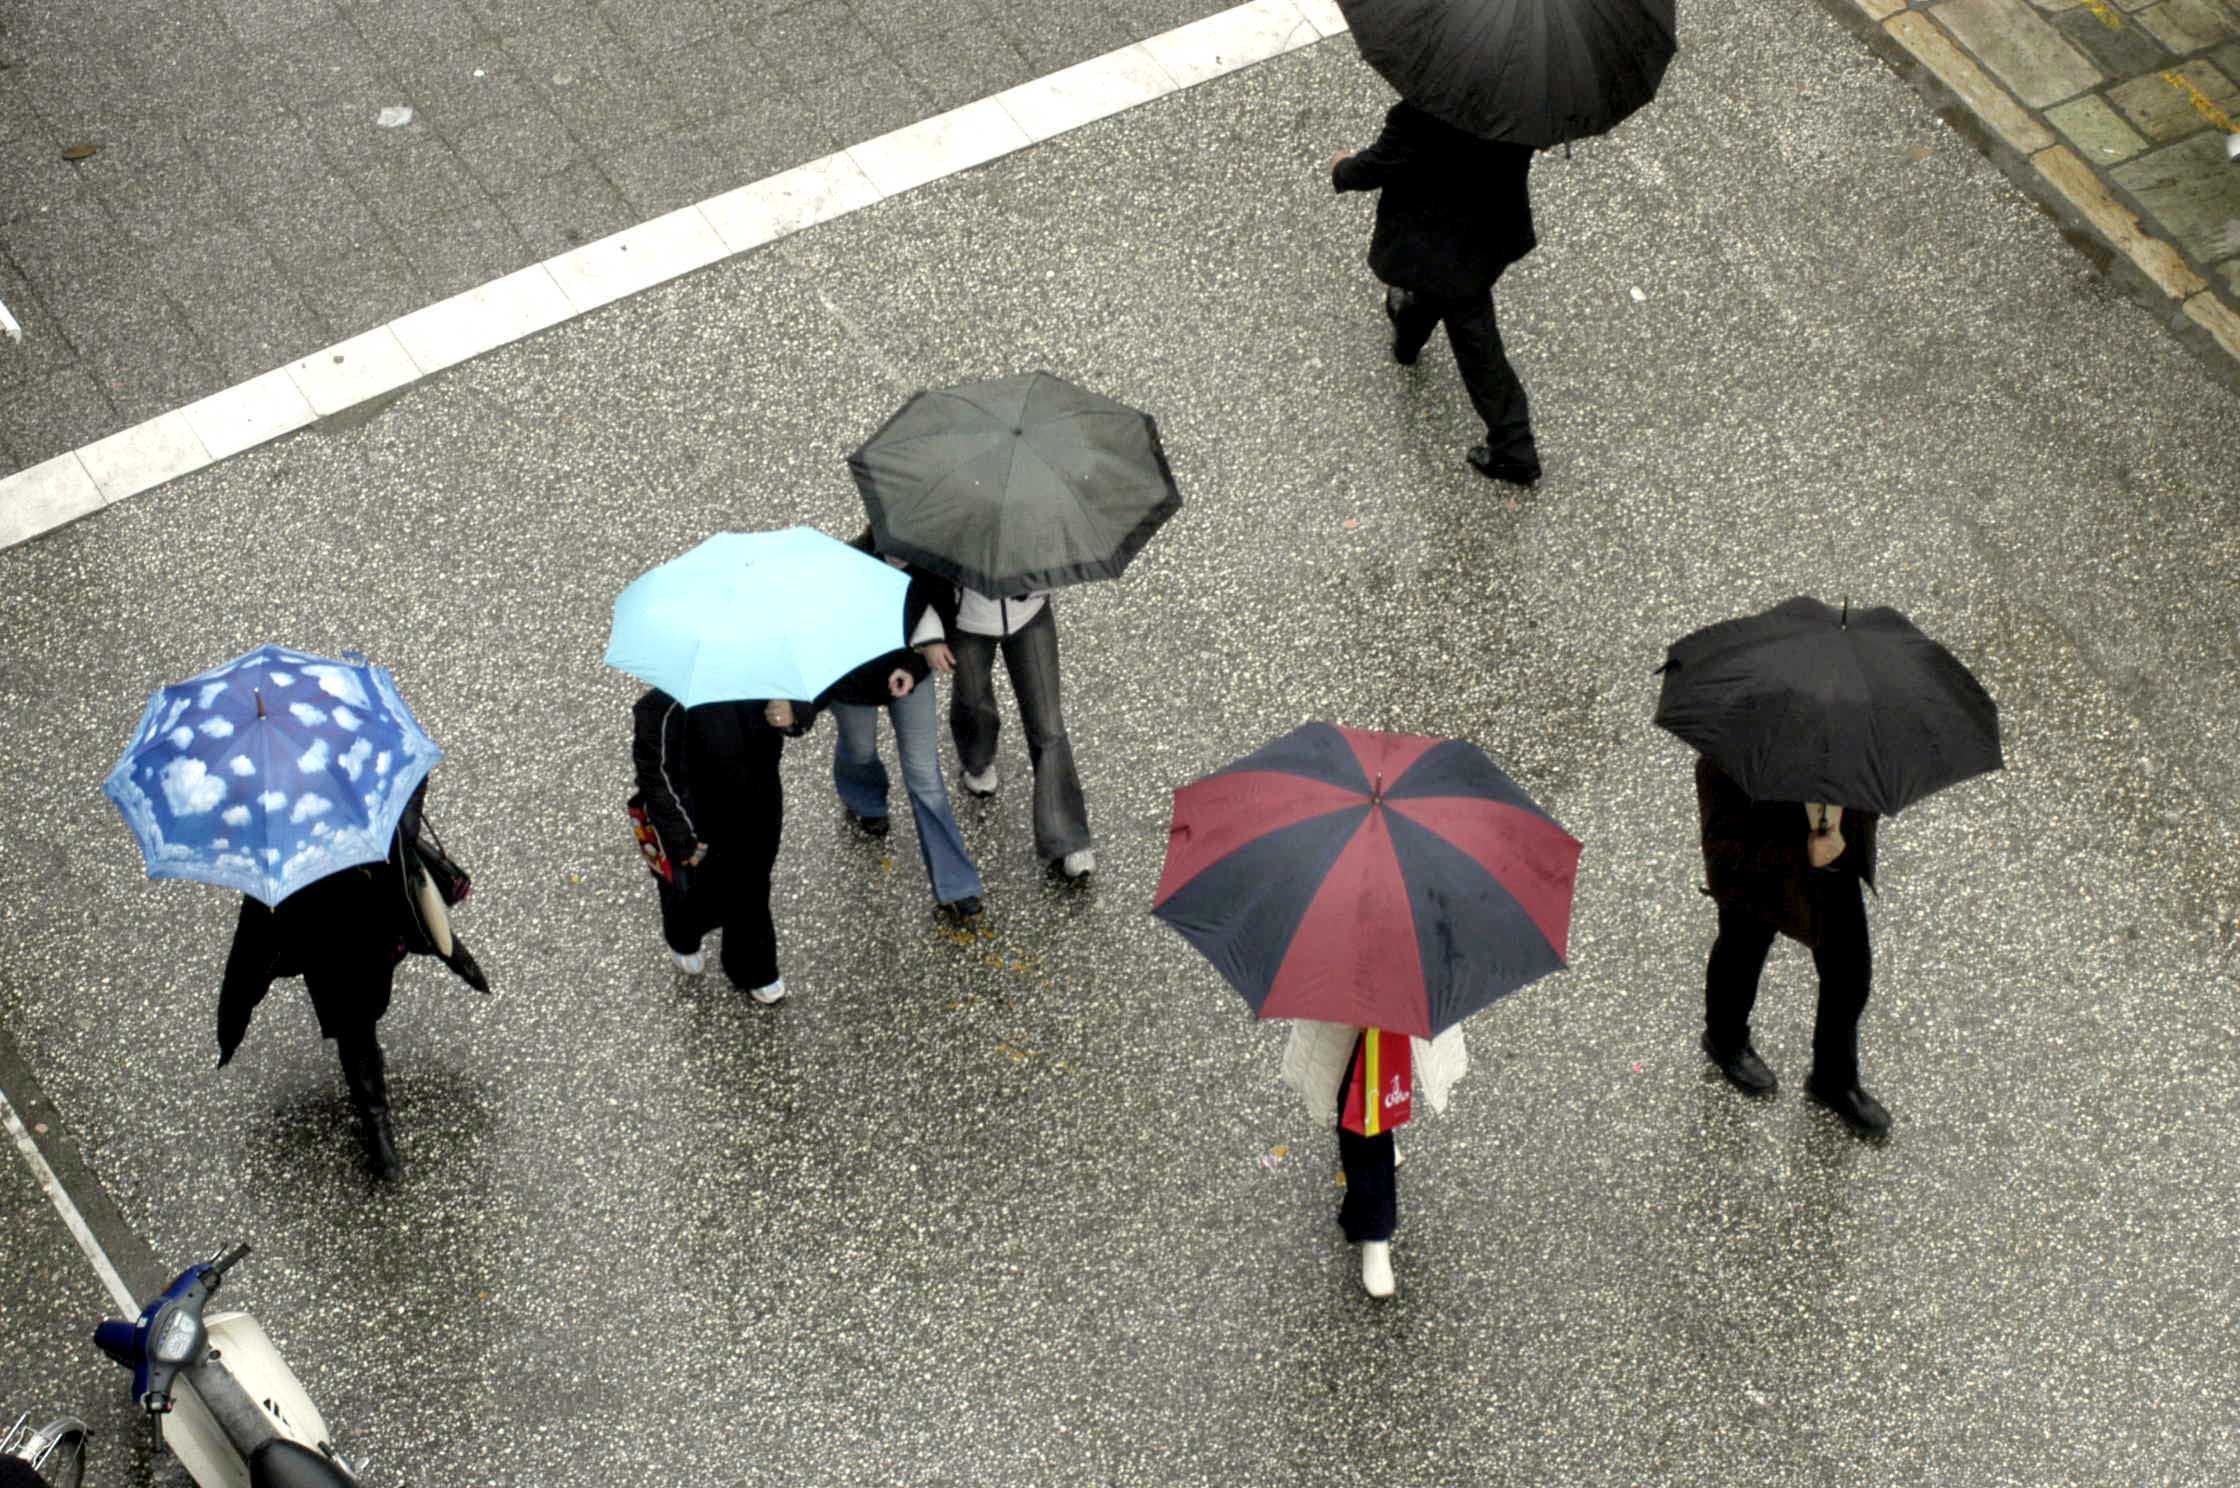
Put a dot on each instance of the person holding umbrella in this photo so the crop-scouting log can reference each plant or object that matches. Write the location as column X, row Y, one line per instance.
column 298, row 781
column 726, row 636
column 1380, row 888
column 1011, row 488
column 1811, row 724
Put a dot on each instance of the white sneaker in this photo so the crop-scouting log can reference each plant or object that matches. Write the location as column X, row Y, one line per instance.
column 1376, row 1268
column 775, row 992
column 692, row 965
column 1080, row 863
column 982, row 784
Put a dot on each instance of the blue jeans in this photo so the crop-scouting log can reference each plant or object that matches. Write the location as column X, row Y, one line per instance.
column 861, row 778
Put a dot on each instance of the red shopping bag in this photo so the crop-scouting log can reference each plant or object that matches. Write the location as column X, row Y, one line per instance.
column 1382, row 1093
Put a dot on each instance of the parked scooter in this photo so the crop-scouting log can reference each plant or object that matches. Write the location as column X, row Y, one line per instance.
column 230, row 1409
column 50, row 1456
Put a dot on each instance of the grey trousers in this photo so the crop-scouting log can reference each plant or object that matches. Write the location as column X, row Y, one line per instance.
column 1030, row 655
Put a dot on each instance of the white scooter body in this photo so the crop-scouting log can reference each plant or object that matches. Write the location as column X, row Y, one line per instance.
column 239, row 1346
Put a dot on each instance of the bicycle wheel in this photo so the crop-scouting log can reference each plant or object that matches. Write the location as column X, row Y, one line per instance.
column 58, row 1450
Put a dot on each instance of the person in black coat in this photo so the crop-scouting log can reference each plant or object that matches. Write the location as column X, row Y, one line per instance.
column 1787, row 868
column 708, row 782
column 345, row 935
column 1453, row 211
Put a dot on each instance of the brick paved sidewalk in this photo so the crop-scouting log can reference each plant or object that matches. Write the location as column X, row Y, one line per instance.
column 242, row 207
column 2121, row 107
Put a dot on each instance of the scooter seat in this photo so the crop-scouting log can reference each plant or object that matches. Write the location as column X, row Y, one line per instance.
column 280, row 1463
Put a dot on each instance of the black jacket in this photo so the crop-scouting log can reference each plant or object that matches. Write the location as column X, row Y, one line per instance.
column 701, row 769
column 866, row 686
column 1754, row 853
column 1453, row 210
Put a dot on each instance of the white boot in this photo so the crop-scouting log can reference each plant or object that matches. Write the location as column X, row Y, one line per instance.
column 1081, row 863
column 775, row 992
column 982, row 784
column 1376, row 1268
column 692, row 965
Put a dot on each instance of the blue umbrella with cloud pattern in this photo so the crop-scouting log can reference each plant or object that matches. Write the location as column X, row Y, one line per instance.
column 270, row 771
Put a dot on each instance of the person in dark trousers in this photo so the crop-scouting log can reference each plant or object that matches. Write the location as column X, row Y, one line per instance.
column 1453, row 211
column 1026, row 631
column 344, row 934
column 1794, row 869
column 708, row 781
column 898, row 682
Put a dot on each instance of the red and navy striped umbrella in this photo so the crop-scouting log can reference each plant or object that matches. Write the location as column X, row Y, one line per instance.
column 1381, row 880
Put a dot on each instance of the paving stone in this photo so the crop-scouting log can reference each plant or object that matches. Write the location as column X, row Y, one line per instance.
column 1970, row 83
column 2227, row 58
column 1051, row 39
column 2163, row 112
column 2097, row 130
column 506, row 147
column 2188, row 25
column 2189, row 189
column 2020, row 48
column 316, row 63
column 311, row 229
column 2121, row 50
column 897, row 23
column 813, row 41
column 43, row 349
column 867, row 100
column 240, row 307
column 352, row 140
column 666, row 172
column 263, row 159
column 70, row 241
column 255, row 21
column 957, row 66
column 54, row 414
column 714, row 76
column 524, row 17
column 594, row 85
column 2228, row 275
column 651, row 29
column 2082, row 185
column 575, row 206
column 454, row 251
column 2218, row 319
column 354, row 291
column 173, row 199
column 769, row 135
column 34, row 176
column 136, row 341
column 425, row 179
column 403, row 31
column 450, row 97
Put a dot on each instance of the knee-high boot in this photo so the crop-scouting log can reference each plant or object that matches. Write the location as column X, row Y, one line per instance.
column 367, row 1076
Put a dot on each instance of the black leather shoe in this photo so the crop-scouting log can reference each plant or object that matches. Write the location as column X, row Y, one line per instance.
column 1392, row 313
column 1860, row 1111
column 962, row 909
column 1484, row 462
column 1742, row 1067
column 869, row 826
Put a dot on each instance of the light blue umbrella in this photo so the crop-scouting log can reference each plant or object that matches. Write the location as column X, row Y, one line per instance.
column 270, row 771
column 757, row 615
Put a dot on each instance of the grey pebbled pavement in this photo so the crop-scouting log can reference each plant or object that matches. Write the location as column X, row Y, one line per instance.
column 1031, row 1207
column 244, row 208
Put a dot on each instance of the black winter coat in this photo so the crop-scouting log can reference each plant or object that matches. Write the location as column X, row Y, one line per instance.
column 866, row 686
column 1453, row 210
column 702, row 770
column 1754, row 853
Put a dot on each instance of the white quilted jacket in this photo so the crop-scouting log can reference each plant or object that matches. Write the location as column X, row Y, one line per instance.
column 1315, row 1057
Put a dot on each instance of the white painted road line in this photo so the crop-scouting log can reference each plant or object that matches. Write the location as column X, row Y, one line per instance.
column 127, row 1304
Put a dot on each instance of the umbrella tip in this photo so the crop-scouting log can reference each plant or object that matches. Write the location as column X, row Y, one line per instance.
column 260, row 700
column 1843, row 622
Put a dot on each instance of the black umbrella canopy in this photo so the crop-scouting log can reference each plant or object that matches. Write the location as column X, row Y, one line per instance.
column 1531, row 72
column 1809, row 703
column 1016, row 484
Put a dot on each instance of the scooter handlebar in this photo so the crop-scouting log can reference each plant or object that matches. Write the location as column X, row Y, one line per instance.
column 226, row 1262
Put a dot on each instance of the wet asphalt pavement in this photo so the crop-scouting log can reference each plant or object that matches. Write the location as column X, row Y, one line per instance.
column 1028, row 1206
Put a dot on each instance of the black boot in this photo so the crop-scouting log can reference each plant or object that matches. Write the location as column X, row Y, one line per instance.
column 1834, row 1083
column 367, row 1076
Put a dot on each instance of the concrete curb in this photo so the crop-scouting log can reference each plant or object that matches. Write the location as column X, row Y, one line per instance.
column 2063, row 179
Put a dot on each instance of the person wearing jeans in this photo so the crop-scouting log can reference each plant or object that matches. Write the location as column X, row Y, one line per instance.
column 861, row 778
column 1026, row 631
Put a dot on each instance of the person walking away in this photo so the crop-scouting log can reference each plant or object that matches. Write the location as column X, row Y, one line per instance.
column 1026, row 630
column 709, row 787
column 1794, row 869
column 1453, row 211
column 898, row 682
column 1320, row 1061
column 344, row 934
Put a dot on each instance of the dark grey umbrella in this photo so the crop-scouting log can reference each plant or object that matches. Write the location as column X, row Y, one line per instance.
column 1807, row 703
column 1532, row 72
column 1015, row 484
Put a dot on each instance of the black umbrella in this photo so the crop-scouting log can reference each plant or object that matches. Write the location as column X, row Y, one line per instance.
column 1806, row 703
column 1532, row 72
column 1016, row 484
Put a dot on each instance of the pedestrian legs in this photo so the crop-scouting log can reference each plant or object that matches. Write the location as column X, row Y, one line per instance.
column 1061, row 815
column 973, row 720
column 1414, row 317
column 1489, row 379
column 365, row 1072
column 857, row 772
column 1730, row 978
column 917, row 732
column 1845, row 960
column 1371, row 1207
